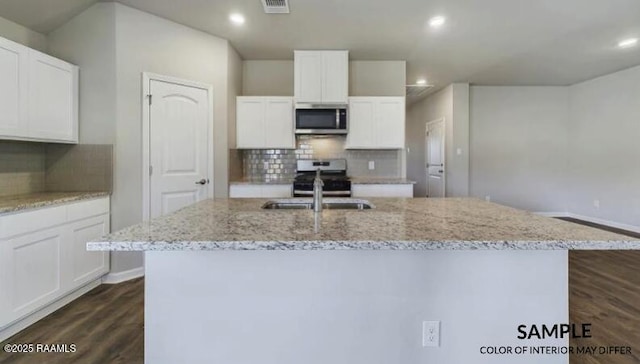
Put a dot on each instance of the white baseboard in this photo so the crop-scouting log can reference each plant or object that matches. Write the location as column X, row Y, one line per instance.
column 595, row 220
column 552, row 214
column 114, row 278
column 40, row 314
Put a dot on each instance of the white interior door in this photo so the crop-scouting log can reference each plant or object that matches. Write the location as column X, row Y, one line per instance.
column 178, row 139
column 435, row 158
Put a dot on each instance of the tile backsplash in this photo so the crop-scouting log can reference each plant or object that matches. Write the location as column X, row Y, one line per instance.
column 272, row 164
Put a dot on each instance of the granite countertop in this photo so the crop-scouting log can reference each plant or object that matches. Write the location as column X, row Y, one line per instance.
column 381, row 181
column 9, row 204
column 394, row 223
column 258, row 181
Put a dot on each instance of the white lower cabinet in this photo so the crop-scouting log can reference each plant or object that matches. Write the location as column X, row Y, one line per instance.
column 382, row 190
column 260, row 191
column 41, row 265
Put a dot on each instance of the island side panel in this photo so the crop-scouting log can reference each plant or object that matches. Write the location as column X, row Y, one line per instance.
column 318, row 307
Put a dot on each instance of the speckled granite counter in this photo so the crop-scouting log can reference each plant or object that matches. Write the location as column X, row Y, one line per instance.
column 380, row 181
column 10, row 204
column 395, row 223
column 249, row 181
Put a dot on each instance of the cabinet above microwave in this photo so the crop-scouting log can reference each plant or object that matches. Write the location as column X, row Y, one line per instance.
column 321, row 77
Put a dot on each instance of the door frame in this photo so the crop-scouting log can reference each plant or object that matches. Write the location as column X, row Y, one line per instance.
column 444, row 153
column 147, row 77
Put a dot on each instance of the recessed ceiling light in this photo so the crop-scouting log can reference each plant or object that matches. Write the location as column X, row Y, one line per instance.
column 421, row 81
column 437, row 21
column 236, row 18
column 627, row 43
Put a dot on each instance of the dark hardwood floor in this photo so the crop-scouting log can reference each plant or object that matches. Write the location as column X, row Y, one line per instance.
column 604, row 290
column 106, row 325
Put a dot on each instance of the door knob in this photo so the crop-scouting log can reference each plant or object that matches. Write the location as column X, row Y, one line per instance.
column 202, row 182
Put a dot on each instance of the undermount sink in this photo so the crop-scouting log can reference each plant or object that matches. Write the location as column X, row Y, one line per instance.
column 329, row 204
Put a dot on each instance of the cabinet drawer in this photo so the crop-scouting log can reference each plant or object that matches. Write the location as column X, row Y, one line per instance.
column 86, row 209
column 277, row 191
column 24, row 222
column 382, row 190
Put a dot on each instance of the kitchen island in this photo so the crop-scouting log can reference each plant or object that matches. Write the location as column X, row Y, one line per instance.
column 228, row 282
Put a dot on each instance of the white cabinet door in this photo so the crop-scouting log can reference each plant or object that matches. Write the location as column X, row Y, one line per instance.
column 308, row 76
column 250, row 122
column 245, row 191
column 43, row 255
column 87, row 265
column 278, row 126
column 53, row 97
column 264, row 123
column 335, row 77
column 361, row 123
column 390, row 122
column 376, row 123
column 13, row 89
column 32, row 272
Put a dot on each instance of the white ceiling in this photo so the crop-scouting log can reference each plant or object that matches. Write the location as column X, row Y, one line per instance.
column 490, row 42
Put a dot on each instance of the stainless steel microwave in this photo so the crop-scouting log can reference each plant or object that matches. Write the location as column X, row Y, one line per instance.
column 324, row 119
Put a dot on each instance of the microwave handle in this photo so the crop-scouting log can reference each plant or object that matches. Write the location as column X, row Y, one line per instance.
column 337, row 119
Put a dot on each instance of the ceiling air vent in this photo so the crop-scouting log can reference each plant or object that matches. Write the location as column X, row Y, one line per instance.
column 276, row 6
column 417, row 90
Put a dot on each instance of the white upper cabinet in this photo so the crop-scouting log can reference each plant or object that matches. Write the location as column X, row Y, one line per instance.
column 376, row 123
column 53, row 97
column 321, row 77
column 13, row 89
column 38, row 96
column 264, row 122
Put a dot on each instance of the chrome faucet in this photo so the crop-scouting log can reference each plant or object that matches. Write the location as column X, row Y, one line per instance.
column 317, row 192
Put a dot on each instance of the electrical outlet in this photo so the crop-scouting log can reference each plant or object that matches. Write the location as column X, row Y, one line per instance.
column 487, row 198
column 596, row 204
column 372, row 165
column 431, row 333
column 459, row 151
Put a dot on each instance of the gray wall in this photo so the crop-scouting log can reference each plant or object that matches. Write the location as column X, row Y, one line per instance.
column 366, row 78
column 113, row 44
column 267, row 78
column 519, row 146
column 377, row 78
column 452, row 104
column 22, row 35
column 234, row 88
column 88, row 40
column 604, row 148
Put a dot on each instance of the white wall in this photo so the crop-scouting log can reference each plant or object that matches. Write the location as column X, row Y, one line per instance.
column 355, row 307
column 452, row 104
column 604, row 148
column 19, row 34
column 519, row 146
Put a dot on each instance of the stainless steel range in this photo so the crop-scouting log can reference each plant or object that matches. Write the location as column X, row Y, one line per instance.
column 333, row 173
